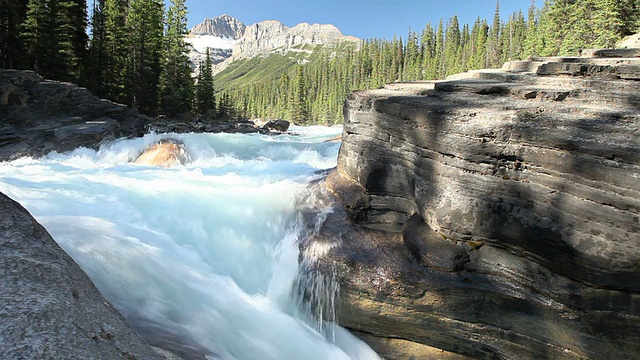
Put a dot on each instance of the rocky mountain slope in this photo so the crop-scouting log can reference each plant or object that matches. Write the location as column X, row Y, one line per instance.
column 273, row 36
column 219, row 34
column 230, row 40
column 223, row 26
column 495, row 215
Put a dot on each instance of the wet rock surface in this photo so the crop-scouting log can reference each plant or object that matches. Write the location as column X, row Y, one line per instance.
column 493, row 215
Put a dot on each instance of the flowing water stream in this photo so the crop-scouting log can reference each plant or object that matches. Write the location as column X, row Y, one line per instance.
column 200, row 258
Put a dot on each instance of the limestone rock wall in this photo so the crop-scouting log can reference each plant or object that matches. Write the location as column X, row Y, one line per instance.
column 495, row 214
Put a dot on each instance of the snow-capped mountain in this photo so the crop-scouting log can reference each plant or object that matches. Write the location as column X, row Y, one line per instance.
column 224, row 26
column 219, row 34
column 229, row 40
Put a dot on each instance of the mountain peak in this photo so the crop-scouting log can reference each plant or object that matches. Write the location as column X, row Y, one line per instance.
column 223, row 26
column 270, row 35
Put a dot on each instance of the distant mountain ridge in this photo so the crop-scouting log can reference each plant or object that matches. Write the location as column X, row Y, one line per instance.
column 223, row 26
column 229, row 40
column 270, row 35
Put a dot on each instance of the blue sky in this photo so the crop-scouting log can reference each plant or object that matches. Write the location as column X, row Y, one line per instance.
column 360, row 18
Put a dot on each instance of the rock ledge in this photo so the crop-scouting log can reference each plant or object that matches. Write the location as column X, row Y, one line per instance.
column 494, row 214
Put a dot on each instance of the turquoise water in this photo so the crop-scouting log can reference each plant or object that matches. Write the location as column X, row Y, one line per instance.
column 201, row 257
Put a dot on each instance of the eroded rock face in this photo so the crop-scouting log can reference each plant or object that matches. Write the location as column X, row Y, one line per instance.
column 496, row 214
column 40, row 116
column 49, row 308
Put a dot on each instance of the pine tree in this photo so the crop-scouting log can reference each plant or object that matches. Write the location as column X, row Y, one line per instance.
column 12, row 14
column 97, row 58
column 55, row 39
column 72, row 40
column 630, row 16
column 205, row 103
column 452, row 47
column 530, row 41
column 176, row 83
column 438, row 58
column 145, row 40
column 494, row 48
column 608, row 23
column 39, row 35
column 300, row 108
column 116, row 49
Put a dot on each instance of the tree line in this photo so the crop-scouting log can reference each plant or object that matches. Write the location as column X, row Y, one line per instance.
column 129, row 51
column 133, row 52
column 560, row 27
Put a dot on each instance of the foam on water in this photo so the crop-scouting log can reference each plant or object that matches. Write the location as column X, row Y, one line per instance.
column 202, row 257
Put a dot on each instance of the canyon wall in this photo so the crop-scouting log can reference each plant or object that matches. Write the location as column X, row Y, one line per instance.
column 495, row 214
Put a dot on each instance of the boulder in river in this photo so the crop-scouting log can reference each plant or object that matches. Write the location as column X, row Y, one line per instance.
column 164, row 153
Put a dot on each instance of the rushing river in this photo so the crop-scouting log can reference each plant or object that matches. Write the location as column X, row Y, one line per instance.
column 203, row 257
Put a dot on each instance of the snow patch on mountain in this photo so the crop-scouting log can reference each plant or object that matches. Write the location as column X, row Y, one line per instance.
column 202, row 42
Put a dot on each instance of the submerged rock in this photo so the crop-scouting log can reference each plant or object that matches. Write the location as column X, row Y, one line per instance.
column 49, row 307
column 278, row 125
column 495, row 214
column 164, row 153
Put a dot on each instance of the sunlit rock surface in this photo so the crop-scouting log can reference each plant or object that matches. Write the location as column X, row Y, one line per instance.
column 164, row 153
column 496, row 214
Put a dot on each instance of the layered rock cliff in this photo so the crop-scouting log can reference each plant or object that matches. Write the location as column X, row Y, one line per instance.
column 495, row 215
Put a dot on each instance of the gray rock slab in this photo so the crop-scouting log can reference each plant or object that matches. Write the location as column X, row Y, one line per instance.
column 49, row 308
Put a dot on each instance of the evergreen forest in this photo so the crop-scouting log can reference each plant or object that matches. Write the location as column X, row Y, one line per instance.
column 133, row 52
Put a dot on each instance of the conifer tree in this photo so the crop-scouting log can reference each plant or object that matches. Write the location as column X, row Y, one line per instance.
column 72, row 40
column 438, row 58
column 608, row 23
column 145, row 33
column 452, row 47
column 116, row 50
column 630, row 16
column 205, row 103
column 12, row 15
column 55, row 39
column 300, row 108
column 176, row 83
column 494, row 48
column 530, row 46
column 97, row 58
column 39, row 35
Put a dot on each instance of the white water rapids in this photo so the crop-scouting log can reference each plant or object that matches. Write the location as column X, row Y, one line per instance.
column 203, row 257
